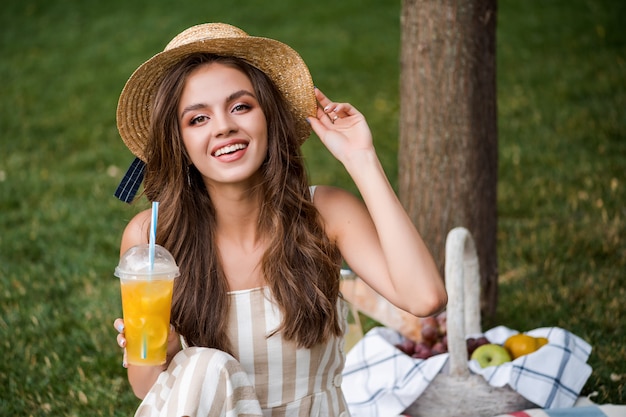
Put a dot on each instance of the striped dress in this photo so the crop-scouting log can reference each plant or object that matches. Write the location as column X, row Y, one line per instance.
column 268, row 376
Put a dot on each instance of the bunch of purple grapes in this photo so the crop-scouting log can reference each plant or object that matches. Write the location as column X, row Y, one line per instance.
column 434, row 341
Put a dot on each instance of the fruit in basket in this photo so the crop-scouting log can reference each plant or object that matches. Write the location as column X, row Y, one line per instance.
column 430, row 333
column 433, row 338
column 438, row 348
column 491, row 354
column 472, row 343
column 422, row 351
column 522, row 344
column 407, row 346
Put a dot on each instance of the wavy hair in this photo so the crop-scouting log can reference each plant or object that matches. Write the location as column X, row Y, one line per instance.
column 300, row 266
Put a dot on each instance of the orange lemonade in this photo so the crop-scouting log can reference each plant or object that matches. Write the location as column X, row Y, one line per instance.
column 147, row 307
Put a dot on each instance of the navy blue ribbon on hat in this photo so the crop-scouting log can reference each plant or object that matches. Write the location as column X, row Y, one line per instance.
column 129, row 185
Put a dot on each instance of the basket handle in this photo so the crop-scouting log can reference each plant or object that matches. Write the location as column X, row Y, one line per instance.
column 462, row 276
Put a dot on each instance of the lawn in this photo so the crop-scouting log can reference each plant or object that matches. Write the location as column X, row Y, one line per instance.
column 562, row 156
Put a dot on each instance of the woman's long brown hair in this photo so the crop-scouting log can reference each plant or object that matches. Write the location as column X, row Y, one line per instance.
column 301, row 265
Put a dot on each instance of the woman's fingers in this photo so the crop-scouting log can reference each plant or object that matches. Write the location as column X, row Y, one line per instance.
column 321, row 98
column 121, row 340
column 327, row 107
column 119, row 325
column 333, row 110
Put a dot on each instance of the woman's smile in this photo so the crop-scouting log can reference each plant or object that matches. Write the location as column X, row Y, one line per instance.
column 231, row 151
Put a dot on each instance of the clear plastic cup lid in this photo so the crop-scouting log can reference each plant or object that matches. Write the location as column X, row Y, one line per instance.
column 135, row 263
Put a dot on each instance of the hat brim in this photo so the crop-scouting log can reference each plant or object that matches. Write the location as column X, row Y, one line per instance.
column 279, row 61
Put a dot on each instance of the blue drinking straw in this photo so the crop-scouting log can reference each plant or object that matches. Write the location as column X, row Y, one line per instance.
column 151, row 246
column 153, row 227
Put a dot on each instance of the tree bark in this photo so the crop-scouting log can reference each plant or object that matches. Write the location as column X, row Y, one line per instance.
column 448, row 127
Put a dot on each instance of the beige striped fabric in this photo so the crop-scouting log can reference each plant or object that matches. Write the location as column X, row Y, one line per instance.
column 270, row 375
column 201, row 382
column 288, row 381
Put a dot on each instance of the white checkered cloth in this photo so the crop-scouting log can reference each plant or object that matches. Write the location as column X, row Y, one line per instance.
column 380, row 380
column 551, row 377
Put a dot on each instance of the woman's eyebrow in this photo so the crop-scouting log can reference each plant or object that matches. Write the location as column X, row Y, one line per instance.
column 192, row 107
column 240, row 93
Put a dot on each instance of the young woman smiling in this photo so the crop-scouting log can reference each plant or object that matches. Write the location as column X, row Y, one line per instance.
column 218, row 119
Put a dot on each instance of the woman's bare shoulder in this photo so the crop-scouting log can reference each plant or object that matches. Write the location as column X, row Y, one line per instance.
column 136, row 231
column 337, row 207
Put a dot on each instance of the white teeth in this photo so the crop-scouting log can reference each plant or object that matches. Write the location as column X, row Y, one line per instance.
column 230, row 148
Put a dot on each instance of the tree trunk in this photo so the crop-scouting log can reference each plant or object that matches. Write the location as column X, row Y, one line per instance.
column 448, row 128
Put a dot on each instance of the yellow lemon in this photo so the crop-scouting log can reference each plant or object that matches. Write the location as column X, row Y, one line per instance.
column 521, row 344
column 542, row 341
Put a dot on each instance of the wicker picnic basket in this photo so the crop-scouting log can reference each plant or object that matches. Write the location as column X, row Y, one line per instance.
column 455, row 392
column 458, row 393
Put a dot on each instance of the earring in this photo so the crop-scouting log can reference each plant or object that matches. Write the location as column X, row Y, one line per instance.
column 189, row 176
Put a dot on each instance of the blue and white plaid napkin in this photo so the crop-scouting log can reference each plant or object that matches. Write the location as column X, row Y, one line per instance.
column 380, row 380
column 551, row 377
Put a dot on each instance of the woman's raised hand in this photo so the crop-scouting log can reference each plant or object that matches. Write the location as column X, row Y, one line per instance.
column 341, row 127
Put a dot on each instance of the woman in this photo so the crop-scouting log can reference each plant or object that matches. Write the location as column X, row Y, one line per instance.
column 218, row 118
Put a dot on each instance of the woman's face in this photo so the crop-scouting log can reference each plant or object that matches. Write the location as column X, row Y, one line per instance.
column 223, row 127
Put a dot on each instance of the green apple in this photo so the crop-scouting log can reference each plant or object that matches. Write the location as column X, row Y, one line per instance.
column 491, row 355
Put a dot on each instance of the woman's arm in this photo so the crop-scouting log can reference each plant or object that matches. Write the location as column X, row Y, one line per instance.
column 142, row 378
column 377, row 239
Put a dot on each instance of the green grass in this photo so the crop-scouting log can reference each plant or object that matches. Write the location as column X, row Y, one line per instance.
column 562, row 226
column 562, row 132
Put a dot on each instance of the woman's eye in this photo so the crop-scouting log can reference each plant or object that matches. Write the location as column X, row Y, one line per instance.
column 198, row 119
column 241, row 107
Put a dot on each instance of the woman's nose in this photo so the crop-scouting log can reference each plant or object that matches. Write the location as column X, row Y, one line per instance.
column 224, row 124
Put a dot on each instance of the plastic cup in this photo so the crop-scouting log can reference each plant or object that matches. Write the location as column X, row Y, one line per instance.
column 146, row 302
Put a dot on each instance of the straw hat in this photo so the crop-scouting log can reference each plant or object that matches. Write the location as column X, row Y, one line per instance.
column 279, row 61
